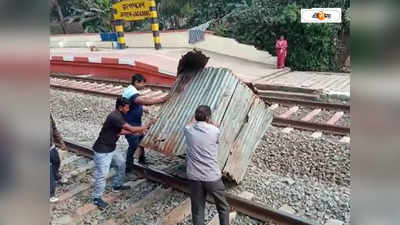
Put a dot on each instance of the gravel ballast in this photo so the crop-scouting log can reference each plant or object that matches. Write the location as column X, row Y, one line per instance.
column 312, row 176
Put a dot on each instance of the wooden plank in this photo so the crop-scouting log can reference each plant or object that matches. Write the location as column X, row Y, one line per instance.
column 287, row 130
column 79, row 189
column 316, row 135
column 215, row 219
column 117, row 91
column 116, row 88
column 289, row 112
column 335, row 118
column 91, row 85
column 87, row 208
column 273, row 107
column 311, row 114
column 345, row 139
column 69, row 194
column 156, row 195
column 109, row 198
column 178, row 214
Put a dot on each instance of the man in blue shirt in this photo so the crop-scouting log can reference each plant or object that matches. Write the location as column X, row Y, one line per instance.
column 134, row 116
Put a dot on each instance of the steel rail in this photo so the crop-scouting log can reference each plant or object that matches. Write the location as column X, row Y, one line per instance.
column 277, row 121
column 242, row 205
column 109, row 94
column 299, row 124
column 106, row 80
column 323, row 105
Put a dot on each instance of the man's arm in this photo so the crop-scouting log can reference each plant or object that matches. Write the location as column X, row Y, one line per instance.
column 123, row 132
column 132, row 129
column 143, row 100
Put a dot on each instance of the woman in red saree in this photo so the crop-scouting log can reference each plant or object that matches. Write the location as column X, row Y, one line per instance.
column 281, row 51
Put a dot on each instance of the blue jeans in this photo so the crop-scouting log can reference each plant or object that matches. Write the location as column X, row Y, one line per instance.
column 52, row 181
column 54, row 170
column 133, row 141
column 103, row 162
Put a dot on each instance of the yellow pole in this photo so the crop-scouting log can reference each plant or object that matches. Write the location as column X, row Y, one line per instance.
column 120, row 34
column 154, row 24
column 119, row 28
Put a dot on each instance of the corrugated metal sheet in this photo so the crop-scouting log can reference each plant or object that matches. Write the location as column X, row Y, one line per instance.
column 258, row 121
column 243, row 117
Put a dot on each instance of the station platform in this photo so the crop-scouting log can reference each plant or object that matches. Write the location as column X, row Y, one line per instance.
column 253, row 66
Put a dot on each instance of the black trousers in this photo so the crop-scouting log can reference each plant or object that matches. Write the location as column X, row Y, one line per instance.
column 198, row 194
column 54, row 170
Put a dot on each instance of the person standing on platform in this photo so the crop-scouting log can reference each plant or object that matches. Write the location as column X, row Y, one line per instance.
column 134, row 116
column 105, row 154
column 281, row 51
column 202, row 169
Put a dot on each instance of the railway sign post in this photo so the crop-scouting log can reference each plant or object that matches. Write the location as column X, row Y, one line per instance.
column 135, row 10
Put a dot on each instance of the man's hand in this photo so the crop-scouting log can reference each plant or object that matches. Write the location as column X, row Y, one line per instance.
column 211, row 122
column 191, row 122
column 165, row 98
column 144, row 131
column 151, row 123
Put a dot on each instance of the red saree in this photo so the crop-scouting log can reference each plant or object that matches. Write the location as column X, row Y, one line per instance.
column 281, row 51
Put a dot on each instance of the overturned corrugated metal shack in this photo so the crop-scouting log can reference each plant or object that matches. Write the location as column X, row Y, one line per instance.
column 242, row 115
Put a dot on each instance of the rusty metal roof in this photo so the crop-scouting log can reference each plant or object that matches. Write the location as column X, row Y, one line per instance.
column 242, row 116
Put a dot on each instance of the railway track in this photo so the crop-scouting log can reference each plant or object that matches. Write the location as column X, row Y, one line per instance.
column 299, row 114
column 161, row 185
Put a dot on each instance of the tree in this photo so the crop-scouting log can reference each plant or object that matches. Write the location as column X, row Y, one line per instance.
column 172, row 13
column 94, row 15
column 311, row 46
column 54, row 5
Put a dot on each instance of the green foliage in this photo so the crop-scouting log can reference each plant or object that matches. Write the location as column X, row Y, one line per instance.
column 171, row 11
column 204, row 11
column 94, row 15
column 311, row 46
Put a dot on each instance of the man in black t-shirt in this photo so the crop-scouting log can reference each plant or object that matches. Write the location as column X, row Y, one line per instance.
column 105, row 154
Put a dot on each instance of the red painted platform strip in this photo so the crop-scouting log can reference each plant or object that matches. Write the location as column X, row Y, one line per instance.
column 81, row 59
column 335, row 118
column 110, row 68
column 60, row 58
column 109, row 60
